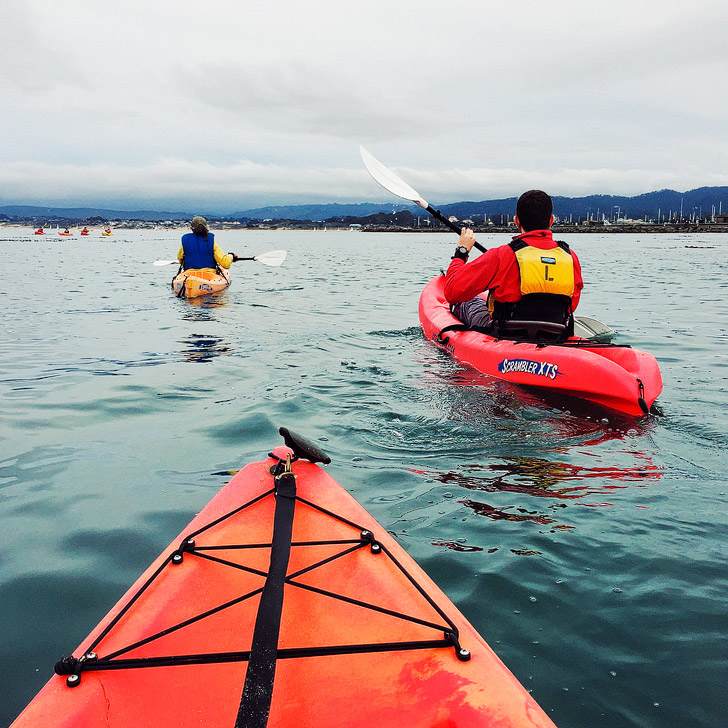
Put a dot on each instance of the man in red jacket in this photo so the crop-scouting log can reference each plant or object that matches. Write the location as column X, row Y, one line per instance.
column 532, row 278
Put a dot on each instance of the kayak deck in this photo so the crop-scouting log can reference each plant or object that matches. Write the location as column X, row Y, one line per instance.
column 364, row 636
column 614, row 376
column 195, row 282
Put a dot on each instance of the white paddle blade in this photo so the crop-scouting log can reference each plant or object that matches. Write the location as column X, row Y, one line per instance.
column 272, row 257
column 389, row 180
column 592, row 329
column 165, row 262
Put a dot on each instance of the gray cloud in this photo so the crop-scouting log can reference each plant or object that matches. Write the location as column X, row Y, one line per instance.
column 313, row 100
column 269, row 102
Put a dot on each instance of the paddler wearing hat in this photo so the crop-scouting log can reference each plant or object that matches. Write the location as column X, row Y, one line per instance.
column 199, row 249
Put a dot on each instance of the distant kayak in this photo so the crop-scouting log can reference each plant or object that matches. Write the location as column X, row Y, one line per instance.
column 195, row 282
column 40, row 232
column 104, row 232
column 65, row 234
column 284, row 603
column 614, row 376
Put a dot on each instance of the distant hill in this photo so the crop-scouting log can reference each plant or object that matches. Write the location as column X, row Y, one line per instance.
column 649, row 204
column 700, row 201
column 664, row 201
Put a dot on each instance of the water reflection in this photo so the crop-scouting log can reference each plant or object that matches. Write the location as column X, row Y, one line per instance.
column 457, row 546
column 197, row 308
column 545, row 478
column 541, row 478
column 200, row 348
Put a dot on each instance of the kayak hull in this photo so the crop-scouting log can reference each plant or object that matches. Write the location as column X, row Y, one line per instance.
column 617, row 377
column 195, row 282
column 398, row 686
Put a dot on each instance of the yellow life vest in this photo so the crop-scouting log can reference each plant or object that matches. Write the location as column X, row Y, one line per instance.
column 545, row 271
column 546, row 283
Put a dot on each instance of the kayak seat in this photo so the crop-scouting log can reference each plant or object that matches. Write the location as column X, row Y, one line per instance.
column 535, row 316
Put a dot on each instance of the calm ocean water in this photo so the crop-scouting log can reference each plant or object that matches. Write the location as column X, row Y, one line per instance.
column 588, row 550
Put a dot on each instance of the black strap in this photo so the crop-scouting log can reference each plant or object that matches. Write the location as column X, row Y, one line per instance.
column 258, row 688
column 181, row 291
column 440, row 339
column 518, row 244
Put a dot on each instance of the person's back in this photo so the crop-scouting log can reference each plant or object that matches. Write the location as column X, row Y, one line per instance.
column 532, row 278
column 199, row 249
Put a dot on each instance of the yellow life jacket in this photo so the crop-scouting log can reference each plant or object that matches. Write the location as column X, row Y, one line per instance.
column 546, row 282
column 545, row 271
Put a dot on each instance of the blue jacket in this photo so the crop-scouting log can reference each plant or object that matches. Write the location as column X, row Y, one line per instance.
column 199, row 252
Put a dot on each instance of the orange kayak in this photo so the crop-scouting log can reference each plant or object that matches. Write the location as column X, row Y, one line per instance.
column 284, row 603
column 195, row 282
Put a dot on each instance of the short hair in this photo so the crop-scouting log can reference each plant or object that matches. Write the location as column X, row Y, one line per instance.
column 534, row 209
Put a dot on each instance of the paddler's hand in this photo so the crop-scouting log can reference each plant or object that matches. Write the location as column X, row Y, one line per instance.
column 235, row 257
column 467, row 238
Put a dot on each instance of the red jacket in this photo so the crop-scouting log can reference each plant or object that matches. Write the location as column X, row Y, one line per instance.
column 497, row 271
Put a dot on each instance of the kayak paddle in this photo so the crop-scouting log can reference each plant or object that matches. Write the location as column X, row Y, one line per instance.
column 273, row 258
column 397, row 186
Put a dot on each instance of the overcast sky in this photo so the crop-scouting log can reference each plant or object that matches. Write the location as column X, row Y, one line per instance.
column 223, row 106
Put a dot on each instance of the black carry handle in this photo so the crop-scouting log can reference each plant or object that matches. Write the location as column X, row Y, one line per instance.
column 303, row 448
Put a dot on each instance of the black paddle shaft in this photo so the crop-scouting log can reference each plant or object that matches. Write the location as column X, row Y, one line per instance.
column 455, row 228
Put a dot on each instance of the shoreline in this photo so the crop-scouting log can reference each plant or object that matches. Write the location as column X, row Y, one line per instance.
column 310, row 226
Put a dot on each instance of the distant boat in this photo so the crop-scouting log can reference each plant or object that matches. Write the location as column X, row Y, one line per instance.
column 40, row 231
column 107, row 232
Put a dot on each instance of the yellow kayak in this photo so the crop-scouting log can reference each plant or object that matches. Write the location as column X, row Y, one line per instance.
column 195, row 282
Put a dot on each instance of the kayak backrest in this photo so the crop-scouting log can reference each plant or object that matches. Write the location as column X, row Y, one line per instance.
column 531, row 330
